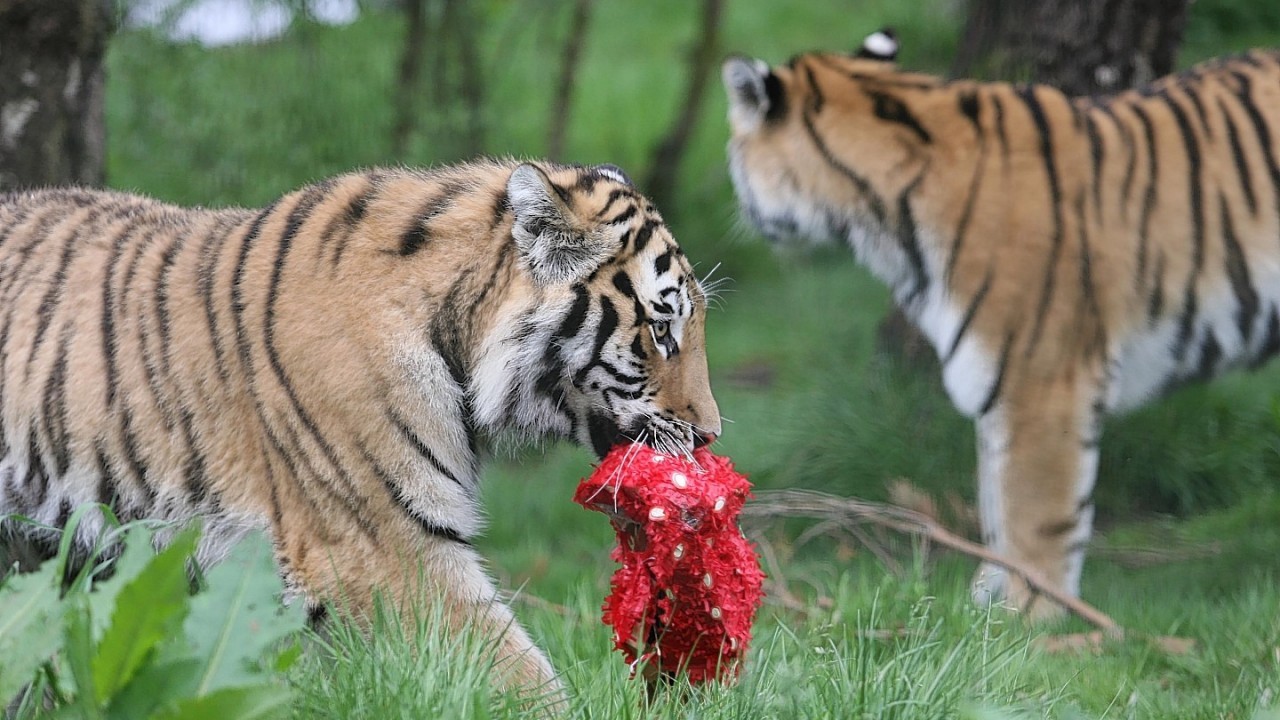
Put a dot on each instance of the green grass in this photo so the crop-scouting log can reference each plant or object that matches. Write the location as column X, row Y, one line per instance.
column 811, row 403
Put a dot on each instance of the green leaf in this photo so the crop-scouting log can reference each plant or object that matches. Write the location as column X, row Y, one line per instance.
column 29, row 629
column 138, row 551
column 256, row 702
column 157, row 685
column 239, row 617
column 78, row 653
column 148, row 611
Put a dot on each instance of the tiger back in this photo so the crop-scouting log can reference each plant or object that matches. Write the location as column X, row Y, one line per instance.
column 331, row 368
column 1066, row 257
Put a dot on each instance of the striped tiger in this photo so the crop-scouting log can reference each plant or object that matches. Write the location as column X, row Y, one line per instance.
column 332, row 367
column 1066, row 257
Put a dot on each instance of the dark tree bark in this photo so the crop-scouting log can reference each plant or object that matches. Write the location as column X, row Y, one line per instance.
column 1081, row 46
column 407, row 77
column 562, row 100
column 443, row 33
column 665, row 166
column 52, row 125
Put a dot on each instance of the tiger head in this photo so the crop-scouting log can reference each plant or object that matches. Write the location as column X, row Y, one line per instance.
column 819, row 143
column 617, row 352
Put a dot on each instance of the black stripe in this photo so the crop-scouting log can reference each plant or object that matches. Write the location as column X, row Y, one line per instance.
column 816, row 100
column 909, row 241
column 971, row 107
column 421, row 447
column 50, row 301
column 1210, row 353
column 210, row 251
column 623, row 284
column 1241, row 161
column 54, row 405
column 237, row 287
column 353, row 215
column 1195, row 192
column 994, row 393
column 1097, row 152
column 1270, row 342
column 1028, row 96
column 969, row 314
column 1155, row 303
column 1149, row 198
column 892, row 109
column 398, row 497
column 860, row 183
column 1262, row 132
column 1237, row 267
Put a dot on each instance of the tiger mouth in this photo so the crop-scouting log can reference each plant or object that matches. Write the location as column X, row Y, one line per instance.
column 606, row 433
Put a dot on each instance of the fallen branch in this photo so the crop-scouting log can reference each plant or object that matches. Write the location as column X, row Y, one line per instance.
column 817, row 505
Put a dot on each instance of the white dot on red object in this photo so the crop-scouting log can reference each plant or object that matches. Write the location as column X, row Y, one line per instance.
column 658, row 458
column 679, row 551
column 657, row 513
column 715, row 613
column 719, row 504
column 706, row 580
column 679, row 480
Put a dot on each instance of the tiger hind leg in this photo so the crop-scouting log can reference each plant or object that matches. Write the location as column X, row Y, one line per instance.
column 1037, row 461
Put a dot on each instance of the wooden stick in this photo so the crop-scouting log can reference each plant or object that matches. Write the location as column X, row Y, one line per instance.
column 812, row 504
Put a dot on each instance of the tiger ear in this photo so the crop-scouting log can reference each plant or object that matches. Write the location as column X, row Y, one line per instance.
column 754, row 92
column 880, row 45
column 546, row 230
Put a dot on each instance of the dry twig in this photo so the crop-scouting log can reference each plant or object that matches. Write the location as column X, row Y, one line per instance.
column 811, row 504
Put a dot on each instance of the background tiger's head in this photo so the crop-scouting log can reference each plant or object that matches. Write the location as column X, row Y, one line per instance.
column 818, row 144
column 622, row 354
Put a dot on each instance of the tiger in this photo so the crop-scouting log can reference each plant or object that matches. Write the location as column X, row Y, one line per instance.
column 332, row 368
column 1067, row 258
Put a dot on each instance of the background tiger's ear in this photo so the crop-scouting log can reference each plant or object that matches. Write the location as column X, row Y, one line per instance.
column 880, row 45
column 754, row 91
column 554, row 247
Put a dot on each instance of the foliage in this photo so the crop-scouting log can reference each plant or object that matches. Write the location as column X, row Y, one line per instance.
column 127, row 639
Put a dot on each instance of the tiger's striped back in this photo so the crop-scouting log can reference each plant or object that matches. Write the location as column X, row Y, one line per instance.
column 1066, row 257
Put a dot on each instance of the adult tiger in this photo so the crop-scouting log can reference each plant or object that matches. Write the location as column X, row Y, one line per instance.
column 328, row 368
column 1066, row 257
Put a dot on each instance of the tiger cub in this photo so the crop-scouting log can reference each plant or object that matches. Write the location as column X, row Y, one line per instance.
column 329, row 368
column 1066, row 257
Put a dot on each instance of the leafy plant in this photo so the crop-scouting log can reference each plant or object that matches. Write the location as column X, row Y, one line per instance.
column 139, row 644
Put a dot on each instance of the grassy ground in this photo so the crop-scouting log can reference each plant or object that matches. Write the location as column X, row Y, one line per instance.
column 1190, row 512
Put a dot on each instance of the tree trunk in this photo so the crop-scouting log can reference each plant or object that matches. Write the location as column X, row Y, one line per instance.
column 563, row 97
column 1081, row 46
column 665, row 166
column 52, row 125
column 415, row 36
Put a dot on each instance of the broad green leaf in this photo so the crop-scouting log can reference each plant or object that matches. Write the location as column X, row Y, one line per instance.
column 148, row 610
column 255, row 702
column 157, row 685
column 138, row 551
column 78, row 654
column 239, row 617
column 30, row 631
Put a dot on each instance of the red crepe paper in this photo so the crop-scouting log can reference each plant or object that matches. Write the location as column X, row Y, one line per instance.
column 690, row 583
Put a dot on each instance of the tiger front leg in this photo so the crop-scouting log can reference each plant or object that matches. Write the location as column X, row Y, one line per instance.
column 1037, row 461
column 433, row 570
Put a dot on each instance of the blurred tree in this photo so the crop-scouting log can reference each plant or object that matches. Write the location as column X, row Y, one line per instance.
column 562, row 101
column 454, row 97
column 52, row 128
column 703, row 58
column 1081, row 46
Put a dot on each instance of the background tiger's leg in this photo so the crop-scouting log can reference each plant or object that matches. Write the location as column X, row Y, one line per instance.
column 1037, row 460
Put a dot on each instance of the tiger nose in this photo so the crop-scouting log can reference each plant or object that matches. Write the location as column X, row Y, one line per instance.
column 702, row 439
